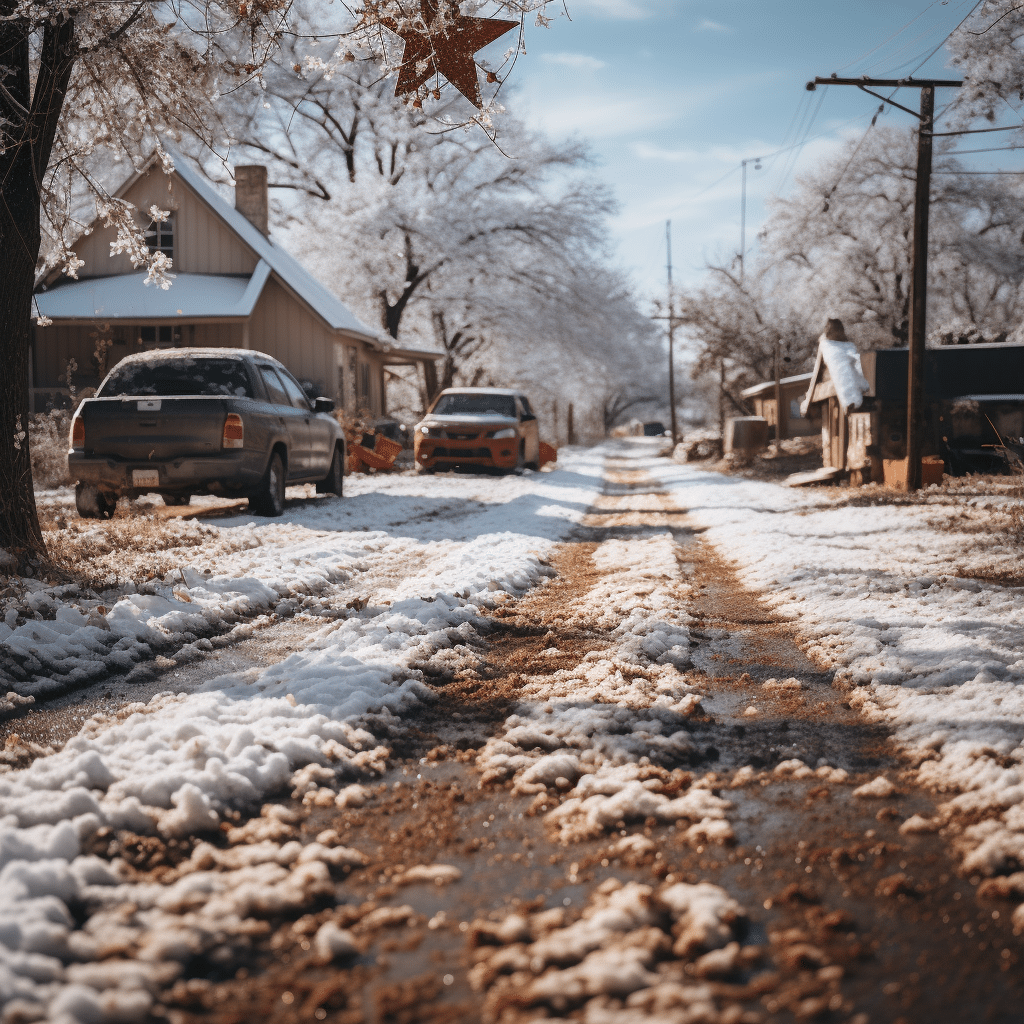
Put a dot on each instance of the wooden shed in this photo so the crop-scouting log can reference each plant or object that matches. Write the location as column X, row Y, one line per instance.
column 762, row 398
column 971, row 392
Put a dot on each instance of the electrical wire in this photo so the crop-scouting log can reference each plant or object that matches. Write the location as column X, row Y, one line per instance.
column 890, row 38
column 944, row 41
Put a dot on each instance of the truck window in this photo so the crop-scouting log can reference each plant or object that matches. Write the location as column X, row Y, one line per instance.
column 275, row 391
column 181, row 376
column 295, row 393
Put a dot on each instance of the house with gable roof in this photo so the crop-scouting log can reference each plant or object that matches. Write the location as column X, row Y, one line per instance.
column 233, row 287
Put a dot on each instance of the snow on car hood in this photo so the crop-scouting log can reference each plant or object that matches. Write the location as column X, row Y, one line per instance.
column 469, row 419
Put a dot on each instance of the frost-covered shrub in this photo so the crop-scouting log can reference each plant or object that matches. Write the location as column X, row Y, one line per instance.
column 48, row 446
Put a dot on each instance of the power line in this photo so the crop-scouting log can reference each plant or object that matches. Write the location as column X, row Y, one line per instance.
column 890, row 38
column 991, row 149
column 944, row 41
column 977, row 173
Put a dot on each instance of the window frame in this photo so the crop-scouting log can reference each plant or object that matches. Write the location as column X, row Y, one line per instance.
column 160, row 229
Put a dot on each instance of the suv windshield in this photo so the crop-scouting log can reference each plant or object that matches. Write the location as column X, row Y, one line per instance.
column 214, row 377
column 487, row 405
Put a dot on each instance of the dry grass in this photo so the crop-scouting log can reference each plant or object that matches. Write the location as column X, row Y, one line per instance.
column 131, row 546
column 48, row 448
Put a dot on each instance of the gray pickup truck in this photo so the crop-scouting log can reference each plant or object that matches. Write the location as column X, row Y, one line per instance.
column 179, row 422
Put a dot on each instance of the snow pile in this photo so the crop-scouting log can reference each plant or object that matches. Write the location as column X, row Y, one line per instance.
column 843, row 362
column 614, row 796
column 629, row 949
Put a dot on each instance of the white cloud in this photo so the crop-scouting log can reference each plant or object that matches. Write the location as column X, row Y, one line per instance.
column 707, row 25
column 576, row 61
column 597, row 115
column 627, row 9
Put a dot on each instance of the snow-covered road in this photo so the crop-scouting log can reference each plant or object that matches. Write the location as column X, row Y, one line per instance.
column 401, row 582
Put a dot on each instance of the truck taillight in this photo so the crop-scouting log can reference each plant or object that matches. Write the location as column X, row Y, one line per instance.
column 78, row 432
column 234, row 432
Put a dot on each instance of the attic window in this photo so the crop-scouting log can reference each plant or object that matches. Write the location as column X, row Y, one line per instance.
column 160, row 236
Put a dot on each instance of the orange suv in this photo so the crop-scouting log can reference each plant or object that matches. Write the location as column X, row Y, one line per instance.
column 491, row 427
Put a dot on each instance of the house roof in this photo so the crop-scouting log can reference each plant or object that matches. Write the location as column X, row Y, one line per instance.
column 202, row 295
column 282, row 263
column 127, row 297
column 769, row 385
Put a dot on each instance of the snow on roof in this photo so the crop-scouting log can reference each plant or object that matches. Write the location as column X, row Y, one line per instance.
column 127, row 297
column 282, row 263
column 769, row 385
column 843, row 362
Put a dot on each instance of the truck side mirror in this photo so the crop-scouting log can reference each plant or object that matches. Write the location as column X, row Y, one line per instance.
column 323, row 405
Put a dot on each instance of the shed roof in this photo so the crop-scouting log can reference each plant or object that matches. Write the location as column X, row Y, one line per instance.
column 769, row 385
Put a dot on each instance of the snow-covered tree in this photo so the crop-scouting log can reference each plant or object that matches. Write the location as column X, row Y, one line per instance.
column 113, row 77
column 840, row 246
column 845, row 235
column 988, row 50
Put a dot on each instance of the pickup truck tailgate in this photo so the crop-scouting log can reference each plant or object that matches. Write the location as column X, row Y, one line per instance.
column 154, row 428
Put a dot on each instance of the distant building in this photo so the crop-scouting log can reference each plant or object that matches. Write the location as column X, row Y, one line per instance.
column 971, row 393
column 762, row 398
column 233, row 287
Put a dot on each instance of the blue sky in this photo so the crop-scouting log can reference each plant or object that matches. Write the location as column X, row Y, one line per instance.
column 673, row 94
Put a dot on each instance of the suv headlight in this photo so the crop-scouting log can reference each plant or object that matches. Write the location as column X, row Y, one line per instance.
column 507, row 432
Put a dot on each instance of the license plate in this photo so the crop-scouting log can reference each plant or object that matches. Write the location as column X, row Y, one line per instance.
column 145, row 478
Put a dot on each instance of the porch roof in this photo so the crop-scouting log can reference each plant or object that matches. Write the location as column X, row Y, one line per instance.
column 127, row 297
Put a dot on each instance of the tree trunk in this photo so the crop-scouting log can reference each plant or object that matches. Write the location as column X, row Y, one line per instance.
column 28, row 141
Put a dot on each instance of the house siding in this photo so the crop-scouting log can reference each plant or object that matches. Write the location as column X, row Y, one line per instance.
column 203, row 243
column 285, row 329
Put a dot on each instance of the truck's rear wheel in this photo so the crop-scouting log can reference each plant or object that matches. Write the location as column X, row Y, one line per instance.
column 334, row 482
column 269, row 500
column 92, row 503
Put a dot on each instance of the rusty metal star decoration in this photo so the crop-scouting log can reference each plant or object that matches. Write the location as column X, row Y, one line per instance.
column 445, row 48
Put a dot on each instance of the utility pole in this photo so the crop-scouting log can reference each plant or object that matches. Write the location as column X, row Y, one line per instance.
column 671, row 338
column 778, row 399
column 919, row 261
column 756, row 161
column 671, row 318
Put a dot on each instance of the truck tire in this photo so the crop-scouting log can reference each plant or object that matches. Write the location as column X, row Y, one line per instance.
column 334, row 482
column 93, row 503
column 269, row 500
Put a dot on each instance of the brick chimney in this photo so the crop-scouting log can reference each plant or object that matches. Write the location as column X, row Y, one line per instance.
column 251, row 196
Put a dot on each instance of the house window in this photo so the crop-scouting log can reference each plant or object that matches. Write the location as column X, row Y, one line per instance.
column 160, row 236
column 164, row 336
